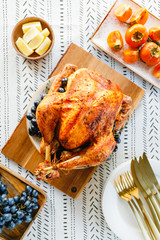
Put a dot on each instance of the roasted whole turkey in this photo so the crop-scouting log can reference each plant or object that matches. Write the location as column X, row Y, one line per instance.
column 79, row 124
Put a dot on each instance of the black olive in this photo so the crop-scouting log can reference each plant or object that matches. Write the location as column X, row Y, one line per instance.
column 34, row 122
column 64, row 81
column 43, row 95
column 116, row 148
column 31, row 131
column 38, row 134
column 36, row 103
column 61, row 90
column 33, row 109
column 29, row 116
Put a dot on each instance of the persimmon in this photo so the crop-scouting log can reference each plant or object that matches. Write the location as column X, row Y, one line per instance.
column 115, row 40
column 123, row 12
column 150, row 53
column 154, row 33
column 131, row 55
column 156, row 71
column 140, row 16
column 136, row 35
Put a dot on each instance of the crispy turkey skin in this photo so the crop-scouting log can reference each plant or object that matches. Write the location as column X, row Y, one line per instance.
column 83, row 115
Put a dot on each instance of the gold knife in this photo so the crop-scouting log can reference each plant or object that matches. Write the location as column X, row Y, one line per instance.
column 147, row 180
column 146, row 188
column 150, row 172
column 144, row 193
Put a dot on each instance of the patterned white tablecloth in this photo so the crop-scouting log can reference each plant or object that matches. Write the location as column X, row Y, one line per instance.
column 72, row 21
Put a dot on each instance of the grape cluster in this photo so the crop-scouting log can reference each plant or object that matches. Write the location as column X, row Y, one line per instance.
column 34, row 130
column 17, row 209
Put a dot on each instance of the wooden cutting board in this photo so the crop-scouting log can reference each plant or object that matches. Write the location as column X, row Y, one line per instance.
column 22, row 151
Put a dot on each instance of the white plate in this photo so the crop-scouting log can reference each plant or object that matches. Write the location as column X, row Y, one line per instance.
column 116, row 211
column 111, row 23
column 36, row 97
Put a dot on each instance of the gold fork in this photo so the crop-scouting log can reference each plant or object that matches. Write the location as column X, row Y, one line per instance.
column 120, row 188
column 133, row 190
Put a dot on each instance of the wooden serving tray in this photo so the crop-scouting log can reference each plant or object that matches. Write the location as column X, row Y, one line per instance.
column 111, row 23
column 21, row 150
column 15, row 185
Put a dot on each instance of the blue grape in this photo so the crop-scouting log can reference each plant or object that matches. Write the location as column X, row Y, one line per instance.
column 29, row 189
column 109, row 157
column 34, row 193
column 116, row 148
column 5, row 201
column 34, row 200
column 3, row 196
column 36, row 103
column 3, row 187
column 117, row 132
column 14, row 209
column 116, row 136
column 18, row 221
column 1, row 182
column 22, row 199
column 16, row 198
column 7, row 225
column 43, row 95
column 20, row 214
column 24, row 194
column 7, row 217
column 114, row 125
column 11, row 201
column 27, row 218
column 2, row 221
column 6, row 209
column 118, row 140
column 35, row 206
column 0, row 229
column 10, row 225
column 6, row 192
column 27, row 204
column 29, row 210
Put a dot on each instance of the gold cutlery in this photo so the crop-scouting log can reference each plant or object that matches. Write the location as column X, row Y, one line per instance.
column 147, row 180
column 146, row 188
column 150, row 172
column 132, row 189
column 146, row 193
column 119, row 186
